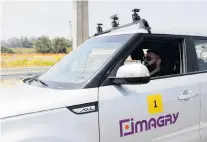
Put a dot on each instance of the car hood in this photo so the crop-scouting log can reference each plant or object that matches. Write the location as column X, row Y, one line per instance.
column 23, row 98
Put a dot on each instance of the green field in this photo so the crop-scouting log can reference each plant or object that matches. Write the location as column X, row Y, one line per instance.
column 20, row 50
column 27, row 57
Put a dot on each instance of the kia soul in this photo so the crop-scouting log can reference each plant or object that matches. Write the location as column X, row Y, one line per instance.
column 104, row 91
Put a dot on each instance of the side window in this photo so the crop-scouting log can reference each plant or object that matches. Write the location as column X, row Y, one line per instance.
column 201, row 50
column 162, row 57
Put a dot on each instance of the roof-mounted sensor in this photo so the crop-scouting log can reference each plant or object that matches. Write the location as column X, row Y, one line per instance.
column 136, row 19
column 99, row 28
column 135, row 16
column 115, row 22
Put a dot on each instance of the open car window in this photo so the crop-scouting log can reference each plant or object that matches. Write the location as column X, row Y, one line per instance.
column 169, row 51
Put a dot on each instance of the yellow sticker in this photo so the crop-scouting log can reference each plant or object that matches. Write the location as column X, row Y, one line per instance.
column 155, row 104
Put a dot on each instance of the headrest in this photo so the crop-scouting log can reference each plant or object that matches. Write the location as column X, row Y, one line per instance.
column 137, row 54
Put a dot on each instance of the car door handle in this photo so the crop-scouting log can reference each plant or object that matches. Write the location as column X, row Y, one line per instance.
column 187, row 95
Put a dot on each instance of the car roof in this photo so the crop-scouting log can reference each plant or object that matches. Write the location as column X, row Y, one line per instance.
column 135, row 29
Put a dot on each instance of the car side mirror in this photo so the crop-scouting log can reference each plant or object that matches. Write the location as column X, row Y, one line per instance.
column 135, row 73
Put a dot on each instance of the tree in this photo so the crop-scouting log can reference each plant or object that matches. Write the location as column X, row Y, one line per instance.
column 43, row 45
column 32, row 39
column 4, row 43
column 60, row 45
column 5, row 49
column 14, row 42
column 26, row 43
column 18, row 42
column 204, row 47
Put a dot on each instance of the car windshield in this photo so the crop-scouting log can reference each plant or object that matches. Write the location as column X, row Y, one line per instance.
column 79, row 65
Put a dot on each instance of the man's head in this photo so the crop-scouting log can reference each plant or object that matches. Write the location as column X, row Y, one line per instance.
column 153, row 60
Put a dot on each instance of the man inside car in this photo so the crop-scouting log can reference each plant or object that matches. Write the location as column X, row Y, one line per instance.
column 154, row 61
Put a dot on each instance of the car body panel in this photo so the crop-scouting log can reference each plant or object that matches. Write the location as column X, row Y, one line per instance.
column 24, row 98
column 31, row 114
column 130, row 101
column 203, row 122
column 59, row 125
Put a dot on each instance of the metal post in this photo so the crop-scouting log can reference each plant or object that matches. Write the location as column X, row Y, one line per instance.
column 70, row 34
column 80, row 22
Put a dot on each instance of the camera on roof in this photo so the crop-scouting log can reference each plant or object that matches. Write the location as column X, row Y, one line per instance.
column 115, row 22
column 143, row 24
column 135, row 16
column 99, row 28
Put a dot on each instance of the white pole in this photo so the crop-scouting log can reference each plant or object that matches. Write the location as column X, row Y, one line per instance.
column 80, row 22
column 70, row 34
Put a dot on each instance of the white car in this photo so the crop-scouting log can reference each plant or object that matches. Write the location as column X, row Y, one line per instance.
column 96, row 94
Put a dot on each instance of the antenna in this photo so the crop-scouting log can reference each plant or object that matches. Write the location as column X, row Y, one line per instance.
column 136, row 19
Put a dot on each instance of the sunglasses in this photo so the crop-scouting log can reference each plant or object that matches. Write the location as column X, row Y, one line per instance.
column 149, row 58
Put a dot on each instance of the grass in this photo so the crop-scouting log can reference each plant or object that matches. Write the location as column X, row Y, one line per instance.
column 20, row 50
column 29, row 60
column 27, row 57
column 23, row 50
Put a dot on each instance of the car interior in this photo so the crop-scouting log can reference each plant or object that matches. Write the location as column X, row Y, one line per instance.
column 202, row 64
column 171, row 50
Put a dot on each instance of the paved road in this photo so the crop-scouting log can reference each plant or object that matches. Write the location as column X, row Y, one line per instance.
column 20, row 73
column 23, row 70
column 18, row 76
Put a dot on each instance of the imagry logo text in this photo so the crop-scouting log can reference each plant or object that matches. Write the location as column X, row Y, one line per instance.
column 130, row 126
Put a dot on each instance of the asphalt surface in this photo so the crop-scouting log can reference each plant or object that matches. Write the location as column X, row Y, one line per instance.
column 18, row 76
column 23, row 70
column 21, row 73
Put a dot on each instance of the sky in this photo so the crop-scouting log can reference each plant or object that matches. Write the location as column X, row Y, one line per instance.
column 51, row 18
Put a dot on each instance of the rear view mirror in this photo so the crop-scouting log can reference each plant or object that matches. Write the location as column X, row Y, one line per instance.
column 135, row 73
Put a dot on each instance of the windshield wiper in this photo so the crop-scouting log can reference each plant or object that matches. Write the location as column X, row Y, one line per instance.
column 35, row 79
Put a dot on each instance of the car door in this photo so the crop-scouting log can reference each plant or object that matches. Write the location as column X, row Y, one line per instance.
column 164, row 110
column 203, row 121
column 201, row 75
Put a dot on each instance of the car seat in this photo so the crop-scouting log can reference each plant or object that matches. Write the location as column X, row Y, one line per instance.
column 138, row 54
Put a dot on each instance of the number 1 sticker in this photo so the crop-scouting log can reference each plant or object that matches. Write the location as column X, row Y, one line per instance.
column 155, row 104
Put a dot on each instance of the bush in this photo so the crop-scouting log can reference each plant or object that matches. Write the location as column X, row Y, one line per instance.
column 43, row 45
column 56, row 45
column 204, row 47
column 5, row 49
column 60, row 45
